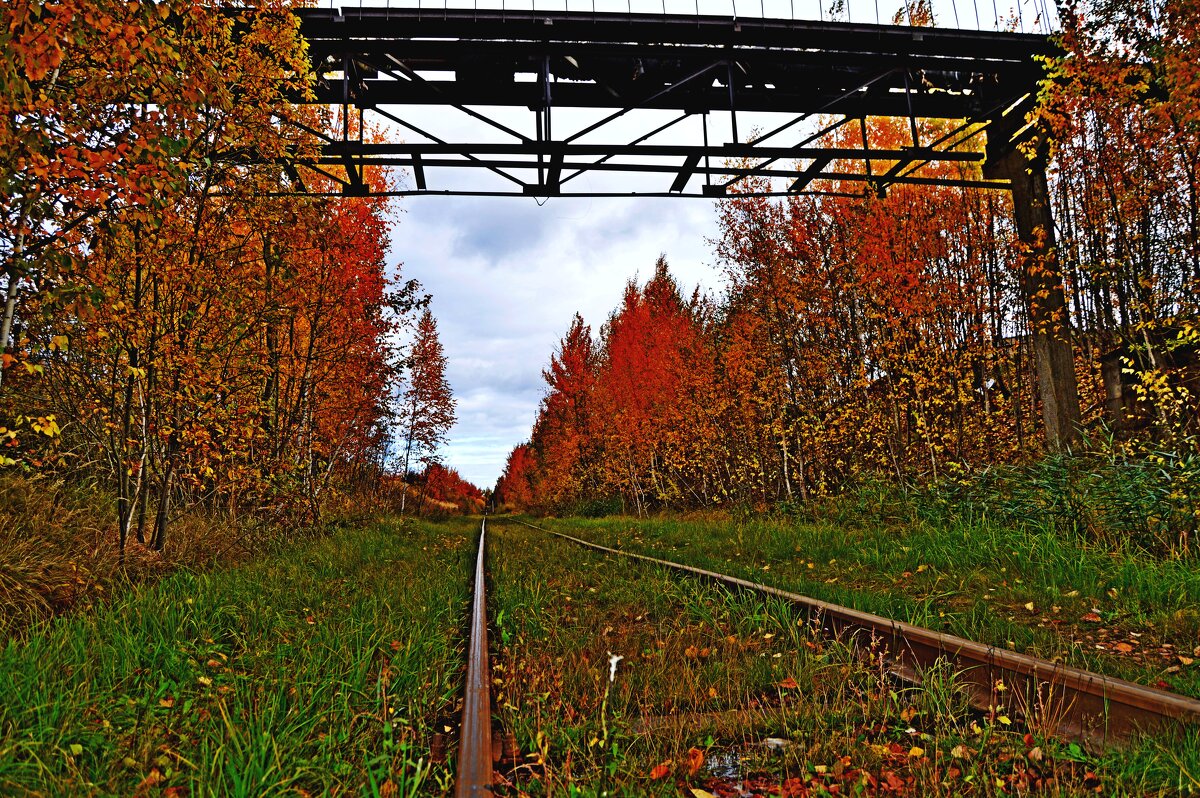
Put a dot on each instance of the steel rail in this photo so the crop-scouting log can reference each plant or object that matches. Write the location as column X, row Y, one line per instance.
column 475, row 732
column 1070, row 702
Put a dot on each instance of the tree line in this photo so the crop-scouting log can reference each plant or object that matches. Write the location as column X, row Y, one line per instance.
column 181, row 324
column 890, row 336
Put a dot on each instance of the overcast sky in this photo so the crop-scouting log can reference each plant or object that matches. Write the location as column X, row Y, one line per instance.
column 507, row 276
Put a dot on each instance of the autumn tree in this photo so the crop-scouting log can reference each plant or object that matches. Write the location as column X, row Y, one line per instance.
column 192, row 353
column 516, row 489
column 426, row 403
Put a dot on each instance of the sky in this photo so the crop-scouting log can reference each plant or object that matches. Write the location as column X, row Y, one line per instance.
column 506, row 278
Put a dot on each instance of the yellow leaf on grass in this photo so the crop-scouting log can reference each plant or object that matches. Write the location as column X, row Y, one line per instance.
column 699, row 793
column 916, row 751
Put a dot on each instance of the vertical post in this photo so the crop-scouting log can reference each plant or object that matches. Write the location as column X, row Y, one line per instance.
column 1018, row 152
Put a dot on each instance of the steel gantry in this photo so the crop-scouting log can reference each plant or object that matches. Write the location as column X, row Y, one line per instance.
column 381, row 63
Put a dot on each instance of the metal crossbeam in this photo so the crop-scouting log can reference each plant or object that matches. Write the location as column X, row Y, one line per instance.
column 388, row 61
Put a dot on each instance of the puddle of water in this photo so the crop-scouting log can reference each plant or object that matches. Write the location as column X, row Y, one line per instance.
column 724, row 764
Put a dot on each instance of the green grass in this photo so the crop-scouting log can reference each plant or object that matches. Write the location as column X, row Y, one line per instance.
column 710, row 674
column 312, row 671
column 970, row 577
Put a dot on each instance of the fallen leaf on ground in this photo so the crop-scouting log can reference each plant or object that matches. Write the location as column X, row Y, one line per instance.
column 1091, row 617
column 789, row 683
column 660, row 770
column 695, row 760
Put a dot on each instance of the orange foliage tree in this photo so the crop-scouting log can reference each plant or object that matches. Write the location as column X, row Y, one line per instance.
column 170, row 319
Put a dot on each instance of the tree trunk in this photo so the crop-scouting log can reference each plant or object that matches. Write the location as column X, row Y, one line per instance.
column 10, row 301
column 1041, row 278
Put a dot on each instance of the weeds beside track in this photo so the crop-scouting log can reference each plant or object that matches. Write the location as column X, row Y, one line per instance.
column 709, row 677
column 314, row 671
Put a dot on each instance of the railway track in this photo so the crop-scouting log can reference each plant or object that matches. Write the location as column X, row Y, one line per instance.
column 1071, row 703
column 1075, row 704
column 475, row 730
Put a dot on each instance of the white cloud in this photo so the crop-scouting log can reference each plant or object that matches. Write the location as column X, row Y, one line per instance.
column 507, row 276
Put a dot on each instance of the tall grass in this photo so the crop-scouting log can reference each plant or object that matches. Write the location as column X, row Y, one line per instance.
column 315, row 670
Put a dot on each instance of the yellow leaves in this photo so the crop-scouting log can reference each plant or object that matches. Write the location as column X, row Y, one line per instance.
column 46, row 425
column 58, row 343
column 916, row 751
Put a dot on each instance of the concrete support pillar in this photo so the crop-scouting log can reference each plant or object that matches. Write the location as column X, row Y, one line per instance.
column 1041, row 278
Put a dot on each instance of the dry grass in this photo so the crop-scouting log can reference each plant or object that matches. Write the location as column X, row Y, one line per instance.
column 58, row 549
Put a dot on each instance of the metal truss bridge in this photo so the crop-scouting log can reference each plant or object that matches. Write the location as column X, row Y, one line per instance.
column 681, row 73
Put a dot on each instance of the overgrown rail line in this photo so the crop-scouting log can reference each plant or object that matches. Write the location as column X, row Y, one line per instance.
column 1068, row 702
column 1072, row 703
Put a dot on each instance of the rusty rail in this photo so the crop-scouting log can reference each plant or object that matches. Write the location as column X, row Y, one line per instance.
column 475, row 732
column 1068, row 702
